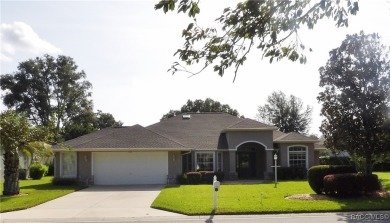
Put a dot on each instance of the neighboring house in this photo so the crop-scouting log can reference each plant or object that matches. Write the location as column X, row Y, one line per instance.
column 156, row 154
column 24, row 162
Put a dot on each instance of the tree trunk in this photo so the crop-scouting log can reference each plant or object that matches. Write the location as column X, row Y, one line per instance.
column 368, row 167
column 11, row 173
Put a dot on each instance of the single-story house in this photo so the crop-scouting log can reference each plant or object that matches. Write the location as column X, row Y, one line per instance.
column 156, row 154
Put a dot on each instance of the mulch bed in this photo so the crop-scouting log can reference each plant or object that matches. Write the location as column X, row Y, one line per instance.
column 313, row 197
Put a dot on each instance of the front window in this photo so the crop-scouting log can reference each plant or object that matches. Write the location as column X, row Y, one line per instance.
column 68, row 164
column 205, row 161
column 297, row 156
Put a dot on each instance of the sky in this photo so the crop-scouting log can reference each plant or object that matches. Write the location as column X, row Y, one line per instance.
column 126, row 47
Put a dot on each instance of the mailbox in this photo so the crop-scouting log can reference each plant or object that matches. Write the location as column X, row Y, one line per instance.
column 216, row 185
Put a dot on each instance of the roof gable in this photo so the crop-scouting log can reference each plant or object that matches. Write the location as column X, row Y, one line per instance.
column 294, row 137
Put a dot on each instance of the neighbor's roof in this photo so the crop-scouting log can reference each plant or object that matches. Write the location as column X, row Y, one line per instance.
column 294, row 137
column 121, row 138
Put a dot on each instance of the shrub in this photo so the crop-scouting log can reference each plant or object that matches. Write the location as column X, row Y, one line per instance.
column 385, row 166
column 193, row 177
column 335, row 160
column 316, row 174
column 291, row 173
column 37, row 171
column 64, row 181
column 181, row 179
column 350, row 184
column 50, row 171
column 22, row 174
column 220, row 176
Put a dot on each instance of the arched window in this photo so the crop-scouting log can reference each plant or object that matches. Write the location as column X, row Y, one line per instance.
column 297, row 156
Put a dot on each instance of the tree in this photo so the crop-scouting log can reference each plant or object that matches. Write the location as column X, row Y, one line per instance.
column 269, row 25
column 18, row 134
column 288, row 114
column 208, row 105
column 87, row 122
column 50, row 91
column 356, row 98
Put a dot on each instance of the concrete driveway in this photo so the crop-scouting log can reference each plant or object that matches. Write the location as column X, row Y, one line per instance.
column 97, row 202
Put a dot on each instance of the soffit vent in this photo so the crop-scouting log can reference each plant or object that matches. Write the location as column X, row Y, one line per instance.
column 186, row 116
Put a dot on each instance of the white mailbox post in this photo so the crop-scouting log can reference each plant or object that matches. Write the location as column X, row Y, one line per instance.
column 216, row 185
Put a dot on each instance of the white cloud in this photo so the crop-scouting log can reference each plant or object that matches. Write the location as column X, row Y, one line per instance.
column 19, row 37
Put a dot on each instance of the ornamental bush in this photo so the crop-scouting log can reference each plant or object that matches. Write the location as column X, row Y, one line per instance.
column 37, row 171
column 316, row 174
column 194, row 177
column 350, row 184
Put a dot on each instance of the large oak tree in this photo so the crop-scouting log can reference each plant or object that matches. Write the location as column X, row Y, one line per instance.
column 269, row 25
column 287, row 113
column 356, row 98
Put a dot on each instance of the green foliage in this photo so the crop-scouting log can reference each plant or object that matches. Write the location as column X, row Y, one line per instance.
column 316, row 174
column 343, row 185
column 37, row 171
column 17, row 134
column 356, row 99
column 335, row 160
column 286, row 113
column 51, row 91
column 271, row 26
column 58, row 181
column 208, row 105
column 22, row 174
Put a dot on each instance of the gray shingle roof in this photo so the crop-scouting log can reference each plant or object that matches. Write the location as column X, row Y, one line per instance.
column 250, row 124
column 294, row 137
column 123, row 137
column 201, row 131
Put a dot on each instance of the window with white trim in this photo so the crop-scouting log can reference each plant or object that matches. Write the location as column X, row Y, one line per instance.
column 68, row 164
column 297, row 156
column 205, row 161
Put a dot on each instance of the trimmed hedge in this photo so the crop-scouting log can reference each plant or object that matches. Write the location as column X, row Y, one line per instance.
column 316, row 174
column 22, row 174
column 37, row 171
column 201, row 177
column 64, row 181
column 291, row 173
column 194, row 177
column 350, row 184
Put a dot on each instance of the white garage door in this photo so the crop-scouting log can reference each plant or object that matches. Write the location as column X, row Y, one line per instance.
column 127, row 168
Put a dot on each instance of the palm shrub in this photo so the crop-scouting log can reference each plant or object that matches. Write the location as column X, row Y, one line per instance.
column 37, row 171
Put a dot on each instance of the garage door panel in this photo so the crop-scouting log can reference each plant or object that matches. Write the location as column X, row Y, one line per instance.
column 126, row 168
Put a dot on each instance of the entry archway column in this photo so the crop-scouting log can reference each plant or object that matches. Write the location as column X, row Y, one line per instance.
column 232, row 165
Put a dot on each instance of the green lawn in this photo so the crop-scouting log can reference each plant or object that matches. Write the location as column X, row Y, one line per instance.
column 33, row 192
column 246, row 199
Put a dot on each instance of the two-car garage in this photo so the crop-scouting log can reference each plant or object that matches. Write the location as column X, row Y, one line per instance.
column 129, row 168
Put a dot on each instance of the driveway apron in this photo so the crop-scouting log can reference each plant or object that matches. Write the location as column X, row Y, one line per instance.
column 97, row 202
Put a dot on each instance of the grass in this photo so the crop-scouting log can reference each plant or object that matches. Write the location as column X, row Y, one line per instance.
column 32, row 193
column 247, row 199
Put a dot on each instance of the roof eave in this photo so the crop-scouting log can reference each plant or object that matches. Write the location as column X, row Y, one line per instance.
column 249, row 129
column 121, row 149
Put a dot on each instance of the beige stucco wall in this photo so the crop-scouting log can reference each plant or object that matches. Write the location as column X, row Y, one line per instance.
column 236, row 138
column 283, row 153
column 84, row 167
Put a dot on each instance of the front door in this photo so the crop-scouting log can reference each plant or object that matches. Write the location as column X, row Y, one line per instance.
column 246, row 164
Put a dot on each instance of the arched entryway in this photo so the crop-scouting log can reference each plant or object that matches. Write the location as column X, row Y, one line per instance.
column 250, row 161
